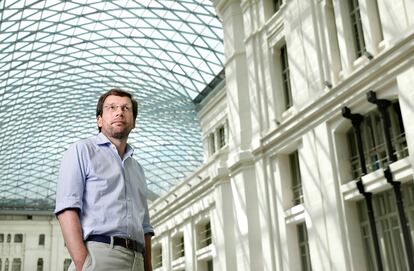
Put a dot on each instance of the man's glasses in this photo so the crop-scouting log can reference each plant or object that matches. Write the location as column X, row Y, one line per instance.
column 114, row 107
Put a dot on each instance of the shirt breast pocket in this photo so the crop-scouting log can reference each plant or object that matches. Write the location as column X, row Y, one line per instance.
column 102, row 179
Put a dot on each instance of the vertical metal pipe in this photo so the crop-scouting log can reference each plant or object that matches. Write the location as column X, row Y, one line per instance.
column 374, row 233
column 386, row 124
column 382, row 106
column 402, row 218
column 356, row 120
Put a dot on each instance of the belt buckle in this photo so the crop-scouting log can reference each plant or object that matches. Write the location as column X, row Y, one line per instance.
column 127, row 242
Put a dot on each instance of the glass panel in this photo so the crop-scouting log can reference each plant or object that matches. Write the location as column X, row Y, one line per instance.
column 221, row 136
column 389, row 230
column 304, row 247
column 357, row 30
column 210, row 265
column 204, row 235
column 296, row 178
column 18, row 238
column 287, row 90
column 212, row 143
column 157, row 256
column 178, row 246
column 164, row 52
column 17, row 264
column 41, row 240
column 40, row 264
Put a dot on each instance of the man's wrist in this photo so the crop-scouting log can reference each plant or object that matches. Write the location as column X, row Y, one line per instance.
column 80, row 261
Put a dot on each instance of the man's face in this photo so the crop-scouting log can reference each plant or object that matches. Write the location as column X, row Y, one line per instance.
column 117, row 118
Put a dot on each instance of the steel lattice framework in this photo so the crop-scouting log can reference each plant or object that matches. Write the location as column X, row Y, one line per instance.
column 58, row 57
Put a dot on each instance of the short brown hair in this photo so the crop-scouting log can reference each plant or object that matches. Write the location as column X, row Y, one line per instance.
column 116, row 92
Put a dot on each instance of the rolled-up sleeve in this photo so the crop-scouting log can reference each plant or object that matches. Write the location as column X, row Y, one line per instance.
column 146, row 225
column 71, row 180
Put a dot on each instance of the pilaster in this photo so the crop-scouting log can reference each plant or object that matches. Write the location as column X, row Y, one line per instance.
column 405, row 82
column 222, row 225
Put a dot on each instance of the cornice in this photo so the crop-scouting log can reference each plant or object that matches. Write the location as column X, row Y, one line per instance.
column 383, row 67
column 222, row 5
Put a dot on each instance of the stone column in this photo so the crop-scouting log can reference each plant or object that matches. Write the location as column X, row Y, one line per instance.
column 241, row 165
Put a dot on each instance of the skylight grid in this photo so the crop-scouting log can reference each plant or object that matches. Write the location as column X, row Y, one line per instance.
column 57, row 58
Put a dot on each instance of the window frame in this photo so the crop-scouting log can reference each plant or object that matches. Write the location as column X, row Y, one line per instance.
column 285, row 74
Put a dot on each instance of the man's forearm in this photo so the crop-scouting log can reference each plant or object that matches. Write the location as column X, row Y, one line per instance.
column 147, row 255
column 72, row 233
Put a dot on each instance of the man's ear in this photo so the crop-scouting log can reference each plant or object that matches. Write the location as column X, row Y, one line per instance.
column 99, row 121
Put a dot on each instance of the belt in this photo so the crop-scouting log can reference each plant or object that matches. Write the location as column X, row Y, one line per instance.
column 117, row 241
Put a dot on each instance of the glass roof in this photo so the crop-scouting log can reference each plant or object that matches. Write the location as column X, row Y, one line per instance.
column 58, row 57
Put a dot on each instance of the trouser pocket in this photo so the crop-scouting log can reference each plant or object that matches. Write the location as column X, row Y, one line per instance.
column 87, row 264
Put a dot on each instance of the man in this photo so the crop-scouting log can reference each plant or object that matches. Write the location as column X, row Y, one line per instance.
column 101, row 199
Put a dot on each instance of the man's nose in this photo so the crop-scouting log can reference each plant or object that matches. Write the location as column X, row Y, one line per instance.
column 118, row 110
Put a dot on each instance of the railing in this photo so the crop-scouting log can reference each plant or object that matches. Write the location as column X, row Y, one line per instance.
column 376, row 157
column 297, row 194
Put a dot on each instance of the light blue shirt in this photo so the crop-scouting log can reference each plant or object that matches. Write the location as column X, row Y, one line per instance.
column 109, row 192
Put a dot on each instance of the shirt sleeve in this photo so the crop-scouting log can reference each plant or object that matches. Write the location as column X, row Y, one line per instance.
column 146, row 225
column 71, row 180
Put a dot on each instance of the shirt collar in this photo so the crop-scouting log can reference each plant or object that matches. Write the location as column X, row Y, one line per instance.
column 101, row 139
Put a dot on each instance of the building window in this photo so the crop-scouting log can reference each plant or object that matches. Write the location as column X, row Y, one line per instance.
column 221, row 134
column 1, row 238
column 304, row 247
column 66, row 264
column 178, row 246
column 277, row 4
column 18, row 238
column 212, row 143
column 357, row 31
column 210, row 265
column 389, row 231
column 374, row 143
column 296, row 178
column 16, row 264
column 8, row 238
column 287, row 89
column 204, row 234
column 41, row 239
column 157, row 256
column 205, row 265
column 40, row 264
column 6, row 265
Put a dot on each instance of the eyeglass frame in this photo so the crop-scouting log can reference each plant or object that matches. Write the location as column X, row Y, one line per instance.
column 114, row 107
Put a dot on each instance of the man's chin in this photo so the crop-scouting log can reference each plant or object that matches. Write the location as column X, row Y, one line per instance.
column 120, row 134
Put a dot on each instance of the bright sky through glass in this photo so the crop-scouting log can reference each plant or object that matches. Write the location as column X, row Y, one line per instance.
column 58, row 57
